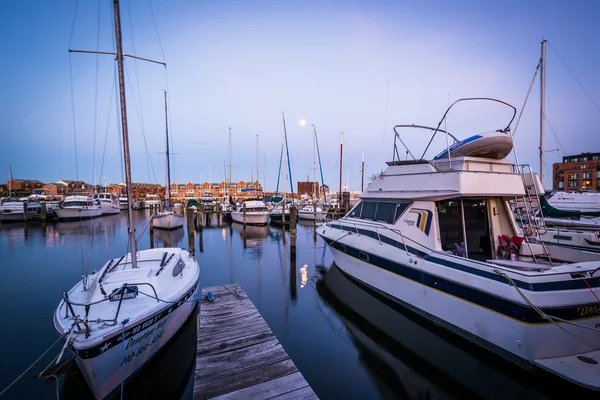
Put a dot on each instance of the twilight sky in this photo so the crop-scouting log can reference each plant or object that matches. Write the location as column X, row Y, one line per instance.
column 240, row 64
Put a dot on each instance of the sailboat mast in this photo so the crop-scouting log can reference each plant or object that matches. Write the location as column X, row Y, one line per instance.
column 314, row 169
column 320, row 166
column 257, row 175
column 362, row 174
column 341, row 171
column 542, row 108
column 287, row 151
column 167, row 154
column 230, row 161
column 126, row 156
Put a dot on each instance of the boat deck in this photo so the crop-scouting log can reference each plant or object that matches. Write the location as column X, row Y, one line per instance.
column 238, row 355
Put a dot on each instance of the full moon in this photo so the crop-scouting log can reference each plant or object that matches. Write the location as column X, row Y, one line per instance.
column 302, row 122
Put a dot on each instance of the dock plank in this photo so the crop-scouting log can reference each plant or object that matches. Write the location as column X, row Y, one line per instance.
column 238, row 356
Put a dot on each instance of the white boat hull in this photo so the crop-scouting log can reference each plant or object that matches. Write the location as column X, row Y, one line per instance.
column 109, row 208
column 103, row 373
column 521, row 342
column 78, row 213
column 168, row 221
column 261, row 218
column 310, row 216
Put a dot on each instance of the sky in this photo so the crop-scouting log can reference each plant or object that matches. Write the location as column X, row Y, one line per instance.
column 357, row 67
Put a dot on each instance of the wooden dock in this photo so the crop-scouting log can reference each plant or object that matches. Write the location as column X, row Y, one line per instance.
column 238, row 356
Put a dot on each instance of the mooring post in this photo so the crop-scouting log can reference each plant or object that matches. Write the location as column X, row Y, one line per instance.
column 283, row 213
column 25, row 211
column 293, row 230
column 244, row 210
column 200, row 241
column 314, row 213
column 200, row 216
column 43, row 204
column 190, row 219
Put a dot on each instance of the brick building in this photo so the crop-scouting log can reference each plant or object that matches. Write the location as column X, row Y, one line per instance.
column 309, row 188
column 56, row 189
column 577, row 172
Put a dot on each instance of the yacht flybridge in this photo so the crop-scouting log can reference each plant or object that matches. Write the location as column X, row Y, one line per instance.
column 440, row 238
column 117, row 318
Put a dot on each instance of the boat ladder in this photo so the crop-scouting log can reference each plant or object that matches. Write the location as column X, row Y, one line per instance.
column 529, row 211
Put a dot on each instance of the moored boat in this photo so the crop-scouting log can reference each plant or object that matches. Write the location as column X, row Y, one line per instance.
column 439, row 238
column 108, row 203
column 117, row 318
column 256, row 213
column 78, row 207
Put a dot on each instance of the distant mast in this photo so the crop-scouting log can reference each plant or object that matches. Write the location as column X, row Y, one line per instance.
column 167, row 154
column 257, row 175
column 362, row 174
column 230, row 162
column 341, row 170
column 314, row 169
column 542, row 108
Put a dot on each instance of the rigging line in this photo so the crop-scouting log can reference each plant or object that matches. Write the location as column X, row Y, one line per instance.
column 148, row 160
column 73, row 24
column 73, row 114
column 107, row 125
column 387, row 86
column 555, row 135
column 96, row 97
column 137, row 75
column 156, row 30
column 119, row 134
column 574, row 77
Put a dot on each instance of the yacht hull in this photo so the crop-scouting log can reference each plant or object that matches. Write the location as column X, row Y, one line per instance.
column 518, row 341
column 109, row 208
column 251, row 218
column 77, row 213
column 168, row 221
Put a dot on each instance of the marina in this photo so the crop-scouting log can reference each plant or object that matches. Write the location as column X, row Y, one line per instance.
column 443, row 248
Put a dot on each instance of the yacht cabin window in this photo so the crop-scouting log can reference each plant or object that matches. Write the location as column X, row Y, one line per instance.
column 383, row 211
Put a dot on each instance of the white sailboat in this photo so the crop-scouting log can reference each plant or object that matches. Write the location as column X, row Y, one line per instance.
column 430, row 236
column 256, row 213
column 115, row 319
column 168, row 219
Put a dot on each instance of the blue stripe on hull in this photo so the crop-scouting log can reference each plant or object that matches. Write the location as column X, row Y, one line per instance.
column 475, row 296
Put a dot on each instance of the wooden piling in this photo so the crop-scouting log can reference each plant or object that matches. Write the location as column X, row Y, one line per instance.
column 190, row 219
column 244, row 210
column 25, row 211
column 293, row 212
column 200, row 216
column 43, row 204
column 238, row 356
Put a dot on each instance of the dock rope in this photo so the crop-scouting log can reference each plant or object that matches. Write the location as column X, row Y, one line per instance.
column 553, row 320
column 31, row 366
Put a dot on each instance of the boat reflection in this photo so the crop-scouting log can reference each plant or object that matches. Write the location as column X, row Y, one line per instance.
column 253, row 238
column 168, row 238
column 408, row 357
column 169, row 375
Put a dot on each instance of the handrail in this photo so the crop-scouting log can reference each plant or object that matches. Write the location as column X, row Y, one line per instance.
column 437, row 129
column 397, row 136
column 505, row 130
column 378, row 225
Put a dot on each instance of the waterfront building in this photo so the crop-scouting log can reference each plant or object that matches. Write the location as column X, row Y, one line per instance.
column 577, row 172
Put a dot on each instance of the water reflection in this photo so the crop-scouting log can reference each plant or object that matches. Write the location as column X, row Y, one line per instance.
column 253, row 238
column 168, row 238
column 408, row 357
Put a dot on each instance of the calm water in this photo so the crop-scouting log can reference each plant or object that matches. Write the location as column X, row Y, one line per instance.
column 346, row 342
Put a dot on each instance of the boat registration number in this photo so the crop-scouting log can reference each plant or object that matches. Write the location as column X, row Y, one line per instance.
column 126, row 293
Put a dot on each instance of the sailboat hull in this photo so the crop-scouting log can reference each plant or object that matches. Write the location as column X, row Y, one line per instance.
column 78, row 213
column 168, row 221
column 105, row 372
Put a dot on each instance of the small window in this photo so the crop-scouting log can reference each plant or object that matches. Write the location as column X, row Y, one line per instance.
column 355, row 212
column 363, row 256
column 385, row 212
column 368, row 210
column 400, row 208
